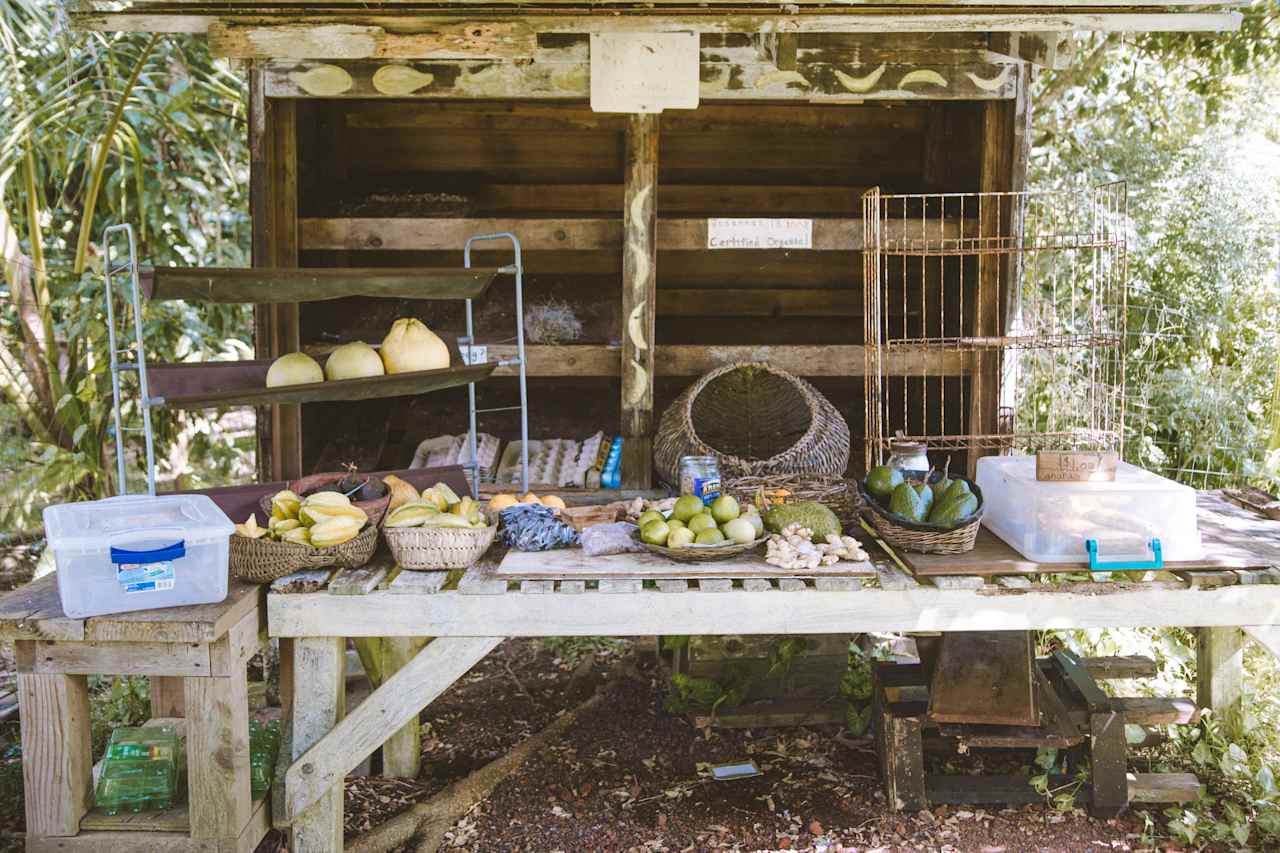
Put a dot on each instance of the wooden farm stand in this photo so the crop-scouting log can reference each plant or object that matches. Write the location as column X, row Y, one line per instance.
column 196, row 658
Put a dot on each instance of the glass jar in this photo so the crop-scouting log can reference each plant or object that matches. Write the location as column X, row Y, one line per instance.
column 700, row 476
column 910, row 457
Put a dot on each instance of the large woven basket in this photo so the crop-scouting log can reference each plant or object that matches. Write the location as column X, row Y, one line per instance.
column 264, row 560
column 922, row 537
column 757, row 420
column 839, row 495
column 425, row 548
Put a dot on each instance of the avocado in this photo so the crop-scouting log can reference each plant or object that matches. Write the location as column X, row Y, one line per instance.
column 882, row 480
column 954, row 509
column 908, row 502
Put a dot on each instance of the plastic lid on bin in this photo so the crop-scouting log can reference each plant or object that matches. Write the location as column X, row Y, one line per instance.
column 85, row 524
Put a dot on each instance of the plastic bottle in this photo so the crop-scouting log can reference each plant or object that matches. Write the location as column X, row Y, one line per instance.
column 264, row 744
column 140, row 770
column 611, row 476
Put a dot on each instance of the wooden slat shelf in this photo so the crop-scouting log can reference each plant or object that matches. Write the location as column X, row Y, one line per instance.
column 264, row 286
column 243, row 383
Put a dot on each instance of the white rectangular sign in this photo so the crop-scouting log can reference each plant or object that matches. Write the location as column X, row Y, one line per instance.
column 759, row 233
column 644, row 72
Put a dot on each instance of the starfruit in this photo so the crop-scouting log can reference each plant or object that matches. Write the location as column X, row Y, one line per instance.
column 327, row 498
column 445, row 492
column 446, row 519
column 334, row 531
column 285, row 504
column 311, row 515
column 411, row 514
column 250, row 529
column 281, row 526
column 437, row 500
column 462, row 507
column 297, row 536
column 401, row 492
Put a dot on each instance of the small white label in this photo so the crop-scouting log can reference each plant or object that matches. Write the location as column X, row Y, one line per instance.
column 474, row 354
column 146, row 577
column 759, row 233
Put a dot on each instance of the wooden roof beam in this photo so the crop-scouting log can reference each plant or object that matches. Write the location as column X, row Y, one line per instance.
column 1047, row 50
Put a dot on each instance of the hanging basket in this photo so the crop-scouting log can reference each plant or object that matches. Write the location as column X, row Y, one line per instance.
column 757, row 420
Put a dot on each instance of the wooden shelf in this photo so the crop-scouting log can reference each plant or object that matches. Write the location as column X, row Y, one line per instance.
column 262, row 286
column 243, row 383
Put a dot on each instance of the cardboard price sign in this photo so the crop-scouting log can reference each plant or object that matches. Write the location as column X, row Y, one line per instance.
column 1076, row 466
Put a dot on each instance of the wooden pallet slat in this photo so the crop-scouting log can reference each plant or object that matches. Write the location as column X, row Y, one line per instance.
column 360, row 581
column 418, row 583
column 478, row 582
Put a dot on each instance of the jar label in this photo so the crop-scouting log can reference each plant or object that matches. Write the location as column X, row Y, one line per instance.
column 707, row 488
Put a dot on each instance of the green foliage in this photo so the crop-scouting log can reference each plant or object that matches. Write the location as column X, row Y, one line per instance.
column 571, row 650
column 121, row 700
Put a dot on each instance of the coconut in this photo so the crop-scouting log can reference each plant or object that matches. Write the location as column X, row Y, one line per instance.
column 411, row 346
column 296, row 368
column 356, row 360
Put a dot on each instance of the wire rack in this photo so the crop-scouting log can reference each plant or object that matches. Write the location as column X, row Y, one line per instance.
column 995, row 322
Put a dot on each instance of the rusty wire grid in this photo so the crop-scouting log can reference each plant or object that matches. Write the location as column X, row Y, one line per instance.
column 995, row 321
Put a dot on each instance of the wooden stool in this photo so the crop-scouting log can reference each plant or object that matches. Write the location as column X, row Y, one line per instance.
column 204, row 649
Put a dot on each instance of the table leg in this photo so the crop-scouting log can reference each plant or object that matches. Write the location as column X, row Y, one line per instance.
column 219, row 789
column 1220, row 671
column 168, row 697
column 319, row 670
column 57, row 754
column 402, row 753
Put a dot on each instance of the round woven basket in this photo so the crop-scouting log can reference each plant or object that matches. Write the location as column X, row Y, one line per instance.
column 424, row 548
column 839, row 495
column 920, row 536
column 702, row 554
column 264, row 560
column 757, row 420
column 375, row 509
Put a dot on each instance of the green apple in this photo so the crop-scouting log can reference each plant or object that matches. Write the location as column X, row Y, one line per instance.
column 648, row 516
column 725, row 509
column 655, row 532
column 756, row 522
column 700, row 522
column 675, row 523
column 740, row 530
column 687, row 506
column 680, row 537
column 711, row 536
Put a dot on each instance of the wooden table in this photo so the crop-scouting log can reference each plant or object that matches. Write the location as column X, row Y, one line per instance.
column 196, row 658
column 470, row 620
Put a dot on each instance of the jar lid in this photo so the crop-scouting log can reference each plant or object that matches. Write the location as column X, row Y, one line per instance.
column 904, row 446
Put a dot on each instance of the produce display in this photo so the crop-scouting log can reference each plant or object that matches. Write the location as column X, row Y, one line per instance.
column 946, row 501
column 794, row 548
column 437, row 506
column 320, row 520
column 409, row 347
column 814, row 516
column 691, row 523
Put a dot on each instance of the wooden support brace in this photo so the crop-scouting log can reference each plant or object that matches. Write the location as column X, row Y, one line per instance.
column 899, row 739
column 328, row 758
column 57, row 758
column 401, row 754
column 639, row 298
column 221, row 802
column 318, row 702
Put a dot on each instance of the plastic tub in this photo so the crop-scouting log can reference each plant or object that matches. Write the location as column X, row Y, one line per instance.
column 138, row 552
column 1140, row 520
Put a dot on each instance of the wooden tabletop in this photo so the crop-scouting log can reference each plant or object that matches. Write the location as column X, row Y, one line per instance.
column 34, row 612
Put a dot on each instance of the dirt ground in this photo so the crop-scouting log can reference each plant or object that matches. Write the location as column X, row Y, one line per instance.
column 631, row 778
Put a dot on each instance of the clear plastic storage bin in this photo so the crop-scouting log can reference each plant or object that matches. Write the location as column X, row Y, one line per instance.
column 1137, row 521
column 138, row 552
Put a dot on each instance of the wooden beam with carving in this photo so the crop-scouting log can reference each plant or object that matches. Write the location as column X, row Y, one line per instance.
column 639, row 298
column 1046, row 50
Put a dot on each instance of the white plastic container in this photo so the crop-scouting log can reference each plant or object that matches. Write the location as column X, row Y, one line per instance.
column 138, row 552
column 1053, row 522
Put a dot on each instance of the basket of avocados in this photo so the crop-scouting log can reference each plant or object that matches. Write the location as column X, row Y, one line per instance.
column 940, row 517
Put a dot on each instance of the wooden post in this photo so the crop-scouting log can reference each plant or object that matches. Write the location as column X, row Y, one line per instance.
column 318, row 701
column 639, row 296
column 1220, row 670
column 168, row 698
column 402, row 752
column 57, row 757
column 218, row 754
column 900, row 742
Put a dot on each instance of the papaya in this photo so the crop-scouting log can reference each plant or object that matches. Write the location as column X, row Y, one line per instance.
column 907, row 502
column 882, row 480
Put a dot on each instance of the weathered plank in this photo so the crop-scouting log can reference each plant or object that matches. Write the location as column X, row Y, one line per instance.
column 1220, row 670
column 537, row 587
column 402, row 751
column 322, row 767
column 573, row 563
column 1163, row 787
column 480, row 582
column 318, row 705
column 1156, row 711
column 673, row 585
column 91, row 658
column 57, row 755
column 418, row 583
column 639, row 298
column 266, row 286
column 620, row 586
column 715, row 585
column 34, row 612
column 360, row 581
column 218, row 755
column 305, row 581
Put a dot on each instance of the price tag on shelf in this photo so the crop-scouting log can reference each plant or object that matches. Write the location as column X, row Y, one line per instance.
column 475, row 354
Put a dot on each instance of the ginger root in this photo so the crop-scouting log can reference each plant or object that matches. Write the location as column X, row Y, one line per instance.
column 794, row 548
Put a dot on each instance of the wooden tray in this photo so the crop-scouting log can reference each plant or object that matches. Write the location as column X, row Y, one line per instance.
column 573, row 564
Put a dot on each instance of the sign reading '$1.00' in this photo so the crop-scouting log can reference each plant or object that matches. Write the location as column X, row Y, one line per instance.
column 759, row 233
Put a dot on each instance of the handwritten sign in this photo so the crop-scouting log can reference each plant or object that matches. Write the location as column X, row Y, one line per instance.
column 759, row 233
column 1076, row 466
column 644, row 72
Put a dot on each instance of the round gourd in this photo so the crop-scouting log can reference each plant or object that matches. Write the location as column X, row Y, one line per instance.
column 356, row 360
column 296, row 368
column 411, row 346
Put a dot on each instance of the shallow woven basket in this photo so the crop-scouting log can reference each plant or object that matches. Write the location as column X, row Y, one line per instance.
column 425, row 548
column 375, row 509
column 839, row 495
column 922, row 537
column 756, row 419
column 264, row 560
column 704, row 554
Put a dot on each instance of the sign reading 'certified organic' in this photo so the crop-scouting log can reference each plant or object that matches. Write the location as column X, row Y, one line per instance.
column 759, row 233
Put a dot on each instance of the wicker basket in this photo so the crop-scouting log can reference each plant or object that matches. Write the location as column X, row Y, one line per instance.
column 425, row 548
column 921, row 536
column 375, row 509
column 702, row 554
column 839, row 495
column 757, row 420
column 264, row 560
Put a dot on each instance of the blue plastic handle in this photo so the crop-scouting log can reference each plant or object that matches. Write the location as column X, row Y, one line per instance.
column 175, row 551
column 1096, row 565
